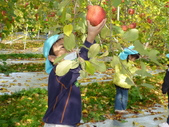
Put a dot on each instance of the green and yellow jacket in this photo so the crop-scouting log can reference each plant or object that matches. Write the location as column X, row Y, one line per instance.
column 124, row 70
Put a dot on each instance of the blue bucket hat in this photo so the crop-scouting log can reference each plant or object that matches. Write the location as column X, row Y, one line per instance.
column 46, row 49
column 167, row 55
column 127, row 51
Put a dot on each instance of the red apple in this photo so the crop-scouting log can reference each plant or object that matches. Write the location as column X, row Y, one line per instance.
column 36, row 7
column 167, row 5
column 124, row 27
column 122, row 1
column 26, row 4
column 144, row 31
column 104, row 3
column 3, row 13
column 95, row 14
column 52, row 14
column 114, row 9
column 142, row 15
column 149, row 20
column 46, row 20
column 131, row 11
column 132, row 25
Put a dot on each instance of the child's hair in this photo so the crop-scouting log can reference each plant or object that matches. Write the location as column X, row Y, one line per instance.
column 51, row 49
column 136, row 56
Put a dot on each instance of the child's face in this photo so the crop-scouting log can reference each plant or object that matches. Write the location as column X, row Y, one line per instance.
column 58, row 48
column 132, row 58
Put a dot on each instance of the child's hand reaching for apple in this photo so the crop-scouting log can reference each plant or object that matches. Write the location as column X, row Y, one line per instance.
column 93, row 31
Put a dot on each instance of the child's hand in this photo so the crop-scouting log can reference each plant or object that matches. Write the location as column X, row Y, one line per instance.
column 93, row 31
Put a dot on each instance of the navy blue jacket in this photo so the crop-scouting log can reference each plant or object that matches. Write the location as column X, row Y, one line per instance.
column 165, row 85
column 64, row 98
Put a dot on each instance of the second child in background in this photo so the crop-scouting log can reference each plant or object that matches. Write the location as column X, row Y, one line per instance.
column 124, row 70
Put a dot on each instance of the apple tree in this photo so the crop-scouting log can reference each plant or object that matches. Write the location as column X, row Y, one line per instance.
column 143, row 24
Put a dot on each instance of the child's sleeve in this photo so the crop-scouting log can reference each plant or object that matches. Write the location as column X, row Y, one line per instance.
column 165, row 85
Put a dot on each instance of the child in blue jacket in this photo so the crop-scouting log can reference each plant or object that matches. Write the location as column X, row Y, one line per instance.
column 165, row 89
column 64, row 98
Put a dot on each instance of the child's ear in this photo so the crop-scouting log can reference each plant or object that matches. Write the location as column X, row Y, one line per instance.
column 51, row 58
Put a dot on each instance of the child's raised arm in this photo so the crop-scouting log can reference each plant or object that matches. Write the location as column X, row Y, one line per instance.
column 93, row 31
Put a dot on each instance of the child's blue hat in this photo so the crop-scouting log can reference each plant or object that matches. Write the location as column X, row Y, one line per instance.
column 127, row 51
column 167, row 55
column 46, row 49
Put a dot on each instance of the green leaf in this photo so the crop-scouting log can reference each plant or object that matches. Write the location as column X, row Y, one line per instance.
column 63, row 67
column 68, row 16
column 63, row 4
column 89, row 67
column 77, row 84
column 115, row 61
column 74, row 65
column 69, row 42
column 142, row 72
column 167, row 45
column 67, row 29
column 80, row 26
column 140, row 48
column 116, row 2
column 148, row 85
column 83, row 73
column 153, row 56
column 106, row 53
column 117, row 29
column 129, row 81
column 63, row 16
column 82, row 63
column 58, row 59
column 94, row 50
column 130, row 35
column 105, row 32
column 99, row 65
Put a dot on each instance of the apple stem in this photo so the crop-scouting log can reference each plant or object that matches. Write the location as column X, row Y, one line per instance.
column 100, row 2
column 90, row 2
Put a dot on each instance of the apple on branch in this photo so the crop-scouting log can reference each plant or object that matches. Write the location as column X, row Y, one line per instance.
column 26, row 4
column 114, row 9
column 132, row 25
column 131, row 11
column 3, row 13
column 52, row 14
column 149, row 20
column 46, row 20
column 167, row 5
column 142, row 15
column 95, row 14
column 124, row 27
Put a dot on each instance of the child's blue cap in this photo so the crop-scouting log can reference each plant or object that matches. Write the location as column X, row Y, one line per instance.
column 46, row 49
column 127, row 51
column 167, row 55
